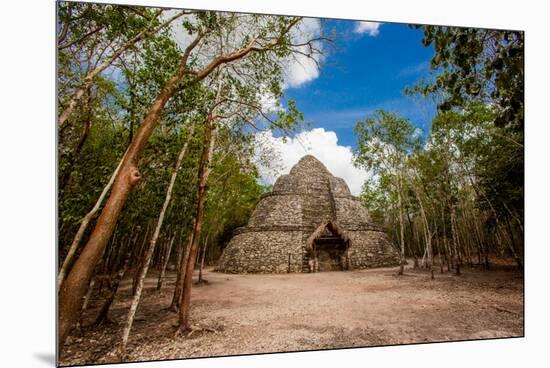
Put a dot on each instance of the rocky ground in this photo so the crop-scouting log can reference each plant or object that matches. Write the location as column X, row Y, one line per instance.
column 246, row 314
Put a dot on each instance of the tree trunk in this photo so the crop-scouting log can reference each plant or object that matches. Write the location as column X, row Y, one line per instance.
column 204, row 172
column 73, row 156
column 176, row 298
column 455, row 240
column 152, row 243
column 165, row 263
column 200, row 280
column 413, row 239
column 401, row 227
column 140, row 257
column 74, row 287
column 427, row 231
column 103, row 315
column 512, row 245
column 88, row 294
column 84, row 225
column 445, row 242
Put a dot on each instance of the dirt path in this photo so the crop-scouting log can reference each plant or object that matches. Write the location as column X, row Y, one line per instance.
column 267, row 313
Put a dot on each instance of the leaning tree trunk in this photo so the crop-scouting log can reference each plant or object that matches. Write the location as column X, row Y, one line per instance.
column 165, row 263
column 103, row 315
column 89, row 293
column 84, row 225
column 140, row 258
column 204, row 172
column 401, row 229
column 456, row 244
column 182, row 261
column 73, row 156
column 427, row 231
column 512, row 245
column 74, row 287
column 200, row 280
column 152, row 244
column 448, row 253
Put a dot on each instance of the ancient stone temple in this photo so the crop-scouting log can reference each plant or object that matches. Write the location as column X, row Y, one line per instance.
column 309, row 222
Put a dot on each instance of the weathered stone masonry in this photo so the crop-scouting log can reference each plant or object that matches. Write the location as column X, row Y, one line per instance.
column 309, row 222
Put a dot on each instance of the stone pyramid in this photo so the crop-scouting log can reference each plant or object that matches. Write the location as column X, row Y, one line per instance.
column 309, row 222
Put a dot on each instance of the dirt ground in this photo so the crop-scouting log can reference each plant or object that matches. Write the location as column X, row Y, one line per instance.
column 246, row 314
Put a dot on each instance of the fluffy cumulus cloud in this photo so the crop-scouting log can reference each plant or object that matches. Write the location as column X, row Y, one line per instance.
column 370, row 28
column 299, row 68
column 318, row 142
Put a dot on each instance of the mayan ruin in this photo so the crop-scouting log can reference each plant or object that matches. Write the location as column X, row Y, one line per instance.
column 309, row 222
column 258, row 180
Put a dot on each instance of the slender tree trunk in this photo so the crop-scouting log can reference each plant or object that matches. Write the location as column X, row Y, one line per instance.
column 74, row 287
column 413, row 239
column 416, row 249
column 455, row 240
column 200, row 280
column 481, row 193
column 88, row 294
column 108, row 258
column 84, row 225
column 165, row 263
column 427, row 232
column 103, row 315
column 188, row 274
column 176, row 298
column 204, row 171
column 445, row 240
column 512, row 245
column 480, row 239
column 141, row 255
column 73, row 156
column 437, row 240
column 401, row 227
column 153, row 242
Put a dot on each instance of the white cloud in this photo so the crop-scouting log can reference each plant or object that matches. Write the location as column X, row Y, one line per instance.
column 370, row 28
column 300, row 69
column 318, row 142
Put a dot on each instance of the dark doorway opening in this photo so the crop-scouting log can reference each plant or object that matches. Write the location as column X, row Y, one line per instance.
column 328, row 248
column 330, row 251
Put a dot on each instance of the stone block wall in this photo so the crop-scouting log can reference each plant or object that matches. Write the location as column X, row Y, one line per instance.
column 285, row 183
column 277, row 210
column 262, row 252
column 339, row 188
column 350, row 212
column 266, row 251
column 371, row 249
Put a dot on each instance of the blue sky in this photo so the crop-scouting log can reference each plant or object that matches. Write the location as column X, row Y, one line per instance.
column 366, row 69
column 363, row 72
